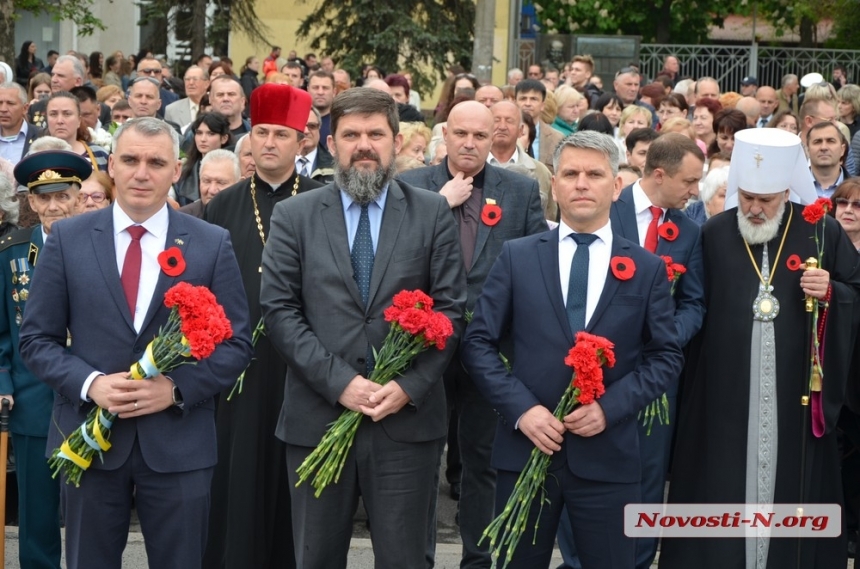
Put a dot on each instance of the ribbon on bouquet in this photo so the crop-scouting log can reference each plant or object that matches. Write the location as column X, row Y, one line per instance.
column 145, row 366
column 97, row 442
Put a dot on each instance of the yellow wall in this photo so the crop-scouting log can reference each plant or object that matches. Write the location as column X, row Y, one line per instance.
column 284, row 17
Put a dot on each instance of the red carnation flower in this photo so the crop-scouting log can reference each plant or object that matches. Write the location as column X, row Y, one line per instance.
column 491, row 214
column 678, row 269
column 439, row 329
column 793, row 263
column 413, row 320
column 623, row 267
column 172, row 262
column 668, row 231
column 814, row 212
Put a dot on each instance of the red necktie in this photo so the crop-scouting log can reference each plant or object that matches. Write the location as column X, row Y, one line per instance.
column 131, row 267
column 651, row 235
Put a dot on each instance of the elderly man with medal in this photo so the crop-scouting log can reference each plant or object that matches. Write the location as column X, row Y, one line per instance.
column 53, row 178
column 745, row 424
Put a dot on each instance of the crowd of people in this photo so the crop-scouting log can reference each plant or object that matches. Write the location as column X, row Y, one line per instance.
column 305, row 200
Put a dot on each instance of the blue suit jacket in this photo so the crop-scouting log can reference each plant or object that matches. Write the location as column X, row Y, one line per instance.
column 77, row 288
column 686, row 249
column 523, row 293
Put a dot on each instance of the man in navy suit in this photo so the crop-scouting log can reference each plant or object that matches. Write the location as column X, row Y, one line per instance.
column 543, row 289
column 163, row 443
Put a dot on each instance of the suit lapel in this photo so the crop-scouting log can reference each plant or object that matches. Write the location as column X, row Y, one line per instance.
column 664, row 246
column 105, row 253
column 626, row 210
column 610, row 286
column 392, row 218
column 176, row 233
column 492, row 190
column 335, row 228
column 548, row 258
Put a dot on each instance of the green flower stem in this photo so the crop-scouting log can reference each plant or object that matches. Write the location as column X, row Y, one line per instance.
column 260, row 330
column 659, row 409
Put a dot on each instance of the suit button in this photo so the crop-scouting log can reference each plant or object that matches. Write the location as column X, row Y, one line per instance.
column 360, row 360
column 138, row 350
column 368, row 320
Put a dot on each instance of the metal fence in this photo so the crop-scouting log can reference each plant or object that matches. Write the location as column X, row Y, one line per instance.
column 728, row 64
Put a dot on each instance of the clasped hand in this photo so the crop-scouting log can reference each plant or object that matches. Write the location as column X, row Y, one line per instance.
column 547, row 433
column 814, row 282
column 127, row 397
column 374, row 400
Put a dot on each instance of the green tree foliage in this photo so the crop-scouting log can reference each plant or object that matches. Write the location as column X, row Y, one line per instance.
column 77, row 11
column 394, row 34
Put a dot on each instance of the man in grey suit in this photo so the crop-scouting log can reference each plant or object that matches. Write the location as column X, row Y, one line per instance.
column 334, row 259
column 474, row 189
column 184, row 111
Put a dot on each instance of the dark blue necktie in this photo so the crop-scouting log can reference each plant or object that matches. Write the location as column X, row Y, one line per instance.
column 577, row 285
column 362, row 266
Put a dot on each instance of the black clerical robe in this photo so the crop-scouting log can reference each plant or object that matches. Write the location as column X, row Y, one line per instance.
column 711, row 447
column 250, row 503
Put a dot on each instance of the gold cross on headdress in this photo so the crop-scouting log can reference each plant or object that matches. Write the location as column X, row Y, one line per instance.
column 758, row 158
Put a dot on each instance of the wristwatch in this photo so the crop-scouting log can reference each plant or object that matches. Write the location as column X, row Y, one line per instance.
column 177, row 397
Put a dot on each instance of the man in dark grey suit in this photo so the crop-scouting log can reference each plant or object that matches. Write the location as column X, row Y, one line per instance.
column 334, row 259
column 474, row 189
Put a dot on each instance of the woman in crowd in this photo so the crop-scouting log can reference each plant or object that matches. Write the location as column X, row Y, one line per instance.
column 672, row 106
column 96, row 192
column 220, row 68
column 786, row 120
column 211, row 131
column 416, row 139
column 248, row 76
column 713, row 194
column 40, row 87
column 726, row 123
column 97, row 62
column 652, row 94
column 112, row 75
column 568, row 101
column 632, row 117
column 849, row 107
column 27, row 64
column 846, row 200
column 64, row 122
column 610, row 106
column 9, row 207
column 461, row 82
column 597, row 122
column 703, row 120
column 109, row 95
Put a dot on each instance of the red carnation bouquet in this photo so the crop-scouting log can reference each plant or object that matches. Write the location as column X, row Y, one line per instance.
column 587, row 357
column 195, row 326
column 414, row 327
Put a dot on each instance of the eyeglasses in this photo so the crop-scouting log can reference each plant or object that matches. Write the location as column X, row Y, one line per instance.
column 624, row 70
column 824, row 119
column 846, row 203
column 313, row 126
column 194, row 79
column 141, row 78
column 97, row 197
column 464, row 76
column 152, row 71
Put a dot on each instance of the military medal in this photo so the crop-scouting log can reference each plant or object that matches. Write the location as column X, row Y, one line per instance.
column 766, row 306
column 24, row 279
column 18, row 316
column 24, row 294
column 15, row 294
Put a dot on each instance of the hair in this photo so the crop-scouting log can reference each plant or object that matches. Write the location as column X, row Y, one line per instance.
column 529, row 123
column 724, row 156
column 22, row 94
column 528, row 85
column 105, row 182
column 682, row 86
column 566, row 94
column 513, row 71
column 729, row 99
column 248, row 61
column 788, row 79
column 364, row 101
column 95, row 65
column 9, row 204
column 596, row 122
column 121, row 105
column 108, row 91
column 624, row 167
column 810, row 107
column 84, row 93
column 23, row 59
column 675, row 100
column 48, row 143
column 824, row 91
column 200, row 58
column 550, row 108
column 631, row 110
column 83, row 133
column 149, row 127
column 412, row 129
column 706, row 78
column 404, row 163
column 396, row 80
column 322, row 73
column 664, row 80
column 647, row 135
column 655, row 91
column 590, row 140
column 605, row 100
column 846, row 189
column 53, row 52
column 679, row 125
column 851, row 94
column 35, row 81
column 462, row 97
column 777, row 118
column 729, row 121
column 111, row 61
column 218, row 124
column 823, row 125
column 716, row 179
column 228, row 70
column 77, row 66
column 237, row 149
column 585, row 59
column 275, row 77
column 712, row 105
column 292, row 64
column 223, row 155
column 669, row 151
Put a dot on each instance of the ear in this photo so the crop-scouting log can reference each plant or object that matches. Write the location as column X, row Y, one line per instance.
column 619, row 185
column 111, row 158
column 398, row 142
column 331, row 147
column 177, row 171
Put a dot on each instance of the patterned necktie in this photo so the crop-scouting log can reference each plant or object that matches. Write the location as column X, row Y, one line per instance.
column 130, row 277
column 362, row 255
column 762, row 123
column 577, row 286
column 651, row 234
column 304, row 169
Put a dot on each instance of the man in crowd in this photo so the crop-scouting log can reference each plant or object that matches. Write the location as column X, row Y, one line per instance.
column 228, row 98
column 151, row 67
column 749, row 85
column 595, row 469
column 51, row 60
column 826, row 147
column 515, row 75
column 671, row 69
column 750, row 368
column 581, row 71
column 507, row 126
column 31, row 400
column 769, row 101
column 751, row 110
column 627, row 85
column 67, row 73
column 250, row 518
column 219, row 170
column 295, row 72
column 468, row 182
column 788, row 93
column 325, row 318
column 707, row 88
column 270, row 64
column 245, row 156
column 531, row 96
column 163, row 441
column 143, row 97
column 313, row 159
column 816, row 111
column 184, row 111
column 535, row 71
column 638, row 142
column 489, row 95
column 840, row 77
column 120, row 112
column 321, row 88
column 16, row 134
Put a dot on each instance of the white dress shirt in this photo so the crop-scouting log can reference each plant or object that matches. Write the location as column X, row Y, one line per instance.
column 599, row 253
column 310, row 157
column 641, row 205
column 515, row 158
column 151, row 244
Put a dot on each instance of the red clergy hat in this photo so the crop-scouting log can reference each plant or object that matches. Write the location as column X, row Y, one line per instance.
column 281, row 105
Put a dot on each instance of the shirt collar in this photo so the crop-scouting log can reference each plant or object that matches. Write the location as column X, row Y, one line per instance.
column 347, row 200
column 477, row 179
column 604, row 233
column 640, row 198
column 21, row 132
column 310, row 156
column 819, row 188
column 156, row 224
column 515, row 157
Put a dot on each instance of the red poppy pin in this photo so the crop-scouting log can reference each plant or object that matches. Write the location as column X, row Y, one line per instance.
column 793, row 263
column 668, row 231
column 622, row 267
column 492, row 213
column 172, row 262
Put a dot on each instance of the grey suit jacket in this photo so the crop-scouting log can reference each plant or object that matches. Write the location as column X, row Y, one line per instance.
column 179, row 112
column 519, row 198
column 316, row 319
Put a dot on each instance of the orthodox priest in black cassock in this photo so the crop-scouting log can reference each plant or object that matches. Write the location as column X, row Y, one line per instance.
column 249, row 521
column 741, row 422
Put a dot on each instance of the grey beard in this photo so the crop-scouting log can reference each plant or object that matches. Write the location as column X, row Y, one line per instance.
column 758, row 234
column 363, row 186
